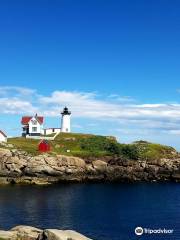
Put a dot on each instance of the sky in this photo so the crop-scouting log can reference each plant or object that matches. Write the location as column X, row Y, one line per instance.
column 114, row 63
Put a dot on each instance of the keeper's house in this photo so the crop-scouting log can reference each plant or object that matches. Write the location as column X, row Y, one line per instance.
column 32, row 126
column 3, row 137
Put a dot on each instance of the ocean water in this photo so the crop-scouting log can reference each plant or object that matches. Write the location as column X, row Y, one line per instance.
column 101, row 211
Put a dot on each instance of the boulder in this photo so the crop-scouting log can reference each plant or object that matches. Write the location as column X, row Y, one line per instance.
column 54, row 234
column 90, row 169
column 8, row 235
column 5, row 152
column 52, row 161
column 99, row 165
column 26, row 232
column 72, row 161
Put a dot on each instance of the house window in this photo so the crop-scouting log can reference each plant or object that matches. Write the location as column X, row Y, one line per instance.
column 34, row 122
column 34, row 129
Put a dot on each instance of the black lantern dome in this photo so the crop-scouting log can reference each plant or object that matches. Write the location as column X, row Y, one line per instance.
column 66, row 111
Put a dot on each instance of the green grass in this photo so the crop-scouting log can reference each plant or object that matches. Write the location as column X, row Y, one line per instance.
column 28, row 145
column 93, row 146
column 49, row 135
column 152, row 151
column 78, row 145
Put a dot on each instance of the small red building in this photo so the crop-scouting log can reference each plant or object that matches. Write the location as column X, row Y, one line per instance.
column 44, row 146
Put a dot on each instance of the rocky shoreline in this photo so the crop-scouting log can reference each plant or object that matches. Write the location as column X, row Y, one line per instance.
column 32, row 233
column 20, row 167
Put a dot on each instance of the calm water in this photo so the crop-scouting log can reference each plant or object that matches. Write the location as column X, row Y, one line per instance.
column 101, row 211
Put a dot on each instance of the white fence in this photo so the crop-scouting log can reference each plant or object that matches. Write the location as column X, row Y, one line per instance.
column 43, row 137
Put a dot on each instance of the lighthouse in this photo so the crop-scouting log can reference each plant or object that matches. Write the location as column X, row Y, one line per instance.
column 66, row 120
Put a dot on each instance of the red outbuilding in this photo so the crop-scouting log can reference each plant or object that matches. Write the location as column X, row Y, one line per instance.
column 44, row 146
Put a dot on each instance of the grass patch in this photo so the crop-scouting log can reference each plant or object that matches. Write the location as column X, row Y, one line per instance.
column 90, row 146
column 152, row 151
column 28, row 145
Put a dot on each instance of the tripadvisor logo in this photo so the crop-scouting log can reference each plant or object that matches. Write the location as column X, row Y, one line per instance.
column 139, row 231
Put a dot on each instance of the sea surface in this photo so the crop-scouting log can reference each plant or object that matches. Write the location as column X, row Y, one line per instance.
column 100, row 211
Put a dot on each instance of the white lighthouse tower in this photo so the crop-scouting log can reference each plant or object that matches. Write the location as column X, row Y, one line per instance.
column 66, row 120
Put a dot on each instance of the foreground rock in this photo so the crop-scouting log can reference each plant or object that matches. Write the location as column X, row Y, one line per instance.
column 26, row 232
column 8, row 235
column 20, row 167
column 31, row 233
column 54, row 234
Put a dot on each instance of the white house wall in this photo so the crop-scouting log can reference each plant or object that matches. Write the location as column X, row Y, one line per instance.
column 49, row 131
column 3, row 138
column 37, row 125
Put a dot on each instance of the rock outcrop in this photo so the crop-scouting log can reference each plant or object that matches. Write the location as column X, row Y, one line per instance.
column 54, row 234
column 31, row 233
column 20, row 167
column 26, row 232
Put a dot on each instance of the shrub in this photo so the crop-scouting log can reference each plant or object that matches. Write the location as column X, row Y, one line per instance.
column 129, row 151
column 99, row 144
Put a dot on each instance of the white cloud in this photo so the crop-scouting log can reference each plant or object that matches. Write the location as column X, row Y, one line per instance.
column 157, row 116
column 4, row 90
column 16, row 106
column 88, row 105
column 123, row 99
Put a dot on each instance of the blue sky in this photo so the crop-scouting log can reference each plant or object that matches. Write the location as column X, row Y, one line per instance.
column 114, row 63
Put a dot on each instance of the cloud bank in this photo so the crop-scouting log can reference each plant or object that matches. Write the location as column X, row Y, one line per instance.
column 125, row 111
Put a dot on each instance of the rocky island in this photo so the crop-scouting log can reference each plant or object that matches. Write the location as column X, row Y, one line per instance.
column 80, row 158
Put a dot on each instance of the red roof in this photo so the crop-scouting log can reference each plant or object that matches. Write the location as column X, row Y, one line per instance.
column 25, row 120
column 1, row 132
